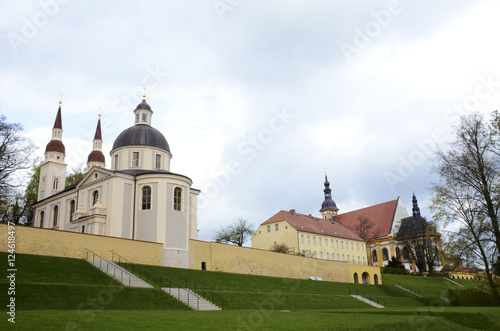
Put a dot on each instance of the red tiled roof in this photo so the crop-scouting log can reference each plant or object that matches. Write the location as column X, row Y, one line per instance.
column 305, row 223
column 381, row 215
column 55, row 146
column 96, row 156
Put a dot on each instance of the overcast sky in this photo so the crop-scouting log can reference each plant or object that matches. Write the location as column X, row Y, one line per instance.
column 256, row 97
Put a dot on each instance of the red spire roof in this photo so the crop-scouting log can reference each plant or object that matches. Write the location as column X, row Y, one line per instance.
column 58, row 122
column 98, row 135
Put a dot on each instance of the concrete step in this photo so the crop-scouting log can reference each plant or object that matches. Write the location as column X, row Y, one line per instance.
column 365, row 300
column 191, row 299
column 118, row 273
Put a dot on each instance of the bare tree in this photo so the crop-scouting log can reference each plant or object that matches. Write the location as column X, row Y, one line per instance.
column 280, row 248
column 366, row 228
column 236, row 233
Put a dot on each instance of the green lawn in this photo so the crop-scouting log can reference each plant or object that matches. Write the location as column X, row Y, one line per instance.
column 449, row 318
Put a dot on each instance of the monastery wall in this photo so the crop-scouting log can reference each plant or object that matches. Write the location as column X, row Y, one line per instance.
column 60, row 243
column 244, row 260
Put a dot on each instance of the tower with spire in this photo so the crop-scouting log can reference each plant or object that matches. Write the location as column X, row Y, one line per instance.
column 53, row 168
column 329, row 207
column 96, row 157
column 415, row 209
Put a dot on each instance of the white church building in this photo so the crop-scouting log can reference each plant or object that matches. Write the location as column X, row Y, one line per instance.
column 137, row 198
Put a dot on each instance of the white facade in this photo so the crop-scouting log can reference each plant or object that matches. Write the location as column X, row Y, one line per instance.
column 139, row 198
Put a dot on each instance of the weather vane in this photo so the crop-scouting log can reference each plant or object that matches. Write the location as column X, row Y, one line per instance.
column 60, row 98
column 144, row 95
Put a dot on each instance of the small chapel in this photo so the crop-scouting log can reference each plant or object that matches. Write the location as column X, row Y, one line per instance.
column 137, row 197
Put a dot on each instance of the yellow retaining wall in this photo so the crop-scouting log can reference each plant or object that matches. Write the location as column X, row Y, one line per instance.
column 252, row 261
column 38, row 241
column 361, row 269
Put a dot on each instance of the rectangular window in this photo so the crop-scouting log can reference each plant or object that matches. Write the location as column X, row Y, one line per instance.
column 347, row 245
column 342, row 244
column 363, row 261
column 359, row 260
column 135, row 159
column 347, row 258
column 315, row 255
column 337, row 243
column 144, row 117
column 353, row 260
column 331, row 243
column 308, row 240
column 320, row 241
column 328, row 256
column 343, row 258
column 268, row 228
column 314, row 240
column 338, row 257
column 302, row 238
column 352, row 246
column 116, row 162
column 158, row 161
column 357, row 246
column 277, row 227
column 321, row 255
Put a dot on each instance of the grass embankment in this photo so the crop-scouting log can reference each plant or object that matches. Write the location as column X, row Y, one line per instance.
column 45, row 282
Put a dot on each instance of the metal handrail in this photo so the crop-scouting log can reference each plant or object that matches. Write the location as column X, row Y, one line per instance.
column 101, row 259
column 142, row 273
column 368, row 296
column 207, row 289
column 179, row 288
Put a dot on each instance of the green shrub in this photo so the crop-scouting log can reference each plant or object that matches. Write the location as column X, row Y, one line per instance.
column 471, row 297
column 397, row 271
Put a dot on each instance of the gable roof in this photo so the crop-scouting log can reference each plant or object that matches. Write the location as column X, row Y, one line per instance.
column 381, row 216
column 311, row 224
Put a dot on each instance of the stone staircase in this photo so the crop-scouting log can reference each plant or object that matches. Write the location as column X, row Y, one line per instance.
column 190, row 299
column 118, row 273
column 365, row 300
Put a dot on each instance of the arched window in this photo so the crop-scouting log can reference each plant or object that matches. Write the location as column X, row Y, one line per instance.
column 95, row 197
column 406, row 253
column 385, row 254
column 71, row 209
column 56, row 184
column 374, row 255
column 146, row 197
column 366, row 278
column 42, row 217
column 177, row 198
column 56, row 211
column 356, row 278
column 398, row 253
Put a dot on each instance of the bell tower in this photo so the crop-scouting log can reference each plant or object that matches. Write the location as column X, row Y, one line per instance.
column 53, row 168
column 329, row 207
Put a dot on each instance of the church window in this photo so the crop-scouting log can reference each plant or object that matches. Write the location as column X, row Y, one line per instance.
column 42, row 216
column 95, row 197
column 144, row 117
column 374, row 256
column 158, row 161
column 276, row 227
column 385, row 254
column 56, row 184
column 177, row 198
column 43, row 183
column 406, row 253
column 56, row 212
column 71, row 209
column 135, row 159
column 398, row 253
column 302, row 238
column 268, row 228
column 146, row 197
column 83, row 228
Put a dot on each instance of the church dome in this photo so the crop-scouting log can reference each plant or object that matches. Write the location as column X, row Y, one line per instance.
column 141, row 135
column 96, row 156
column 55, row 146
column 328, row 204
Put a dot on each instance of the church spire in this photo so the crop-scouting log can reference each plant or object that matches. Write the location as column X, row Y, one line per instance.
column 329, row 207
column 56, row 145
column 415, row 209
column 96, row 157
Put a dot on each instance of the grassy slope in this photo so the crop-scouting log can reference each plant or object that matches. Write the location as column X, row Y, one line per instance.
column 450, row 318
column 44, row 282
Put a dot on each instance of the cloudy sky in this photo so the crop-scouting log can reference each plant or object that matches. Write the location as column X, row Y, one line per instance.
column 257, row 97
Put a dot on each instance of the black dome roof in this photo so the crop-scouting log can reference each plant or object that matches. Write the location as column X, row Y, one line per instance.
column 328, row 204
column 142, row 135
